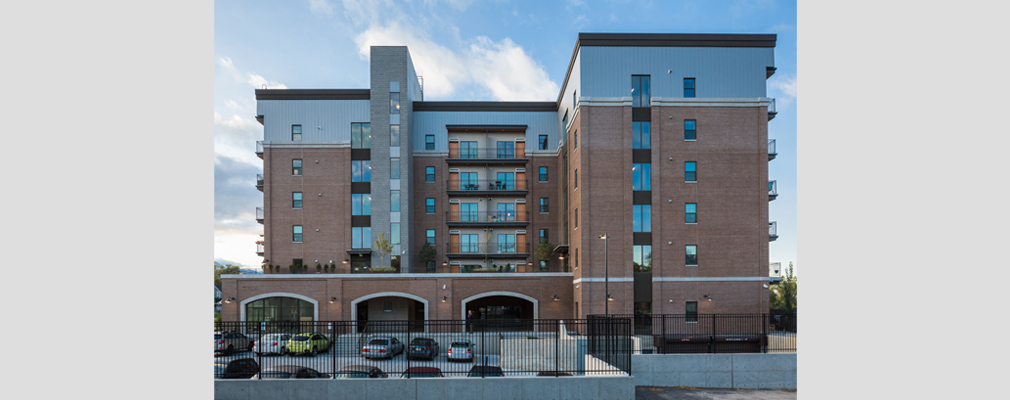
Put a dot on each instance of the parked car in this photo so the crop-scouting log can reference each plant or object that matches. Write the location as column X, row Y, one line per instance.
column 423, row 348
column 483, row 371
column 422, row 372
column 308, row 343
column 359, row 371
column 382, row 347
column 272, row 343
column 290, row 372
column 552, row 373
column 228, row 342
column 243, row 368
column 460, row 351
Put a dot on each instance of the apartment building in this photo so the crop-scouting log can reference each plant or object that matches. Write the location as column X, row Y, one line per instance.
column 641, row 189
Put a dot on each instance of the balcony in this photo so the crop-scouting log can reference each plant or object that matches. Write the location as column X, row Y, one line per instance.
column 487, row 187
column 259, row 149
column 489, row 267
column 490, row 249
column 259, row 182
column 259, row 214
column 773, row 190
column 259, row 249
column 486, row 155
column 771, row 150
column 772, row 231
column 489, row 218
column 771, row 110
column 775, row 272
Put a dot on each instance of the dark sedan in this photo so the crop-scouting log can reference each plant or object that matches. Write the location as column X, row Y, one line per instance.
column 289, row 372
column 425, row 348
column 422, row 372
column 359, row 371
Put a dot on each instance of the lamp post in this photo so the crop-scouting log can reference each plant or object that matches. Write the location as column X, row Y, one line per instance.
column 606, row 276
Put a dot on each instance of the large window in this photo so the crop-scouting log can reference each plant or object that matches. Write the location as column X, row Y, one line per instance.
column 691, row 311
column 468, row 212
column 394, row 103
column 429, row 205
column 361, row 204
column 640, row 135
column 544, row 235
column 468, row 243
column 690, row 171
column 394, row 168
column 429, row 142
column 394, row 135
column 296, row 167
column 691, row 254
column 506, row 150
column 642, row 218
column 506, row 212
column 690, row 130
column 361, row 237
column 506, row 181
column 506, row 243
column 429, row 236
column 279, row 309
column 691, row 213
column 361, row 135
column 468, row 181
column 468, row 150
column 545, row 205
column 688, row 87
column 429, row 174
column 642, row 258
column 361, row 171
column 296, row 200
column 296, row 233
column 543, row 174
column 641, row 176
column 296, row 133
column 394, row 200
column 394, row 233
column 640, row 91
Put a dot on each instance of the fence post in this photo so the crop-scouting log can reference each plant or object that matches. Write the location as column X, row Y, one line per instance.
column 259, row 354
column 711, row 341
column 406, row 346
column 764, row 332
column 557, row 347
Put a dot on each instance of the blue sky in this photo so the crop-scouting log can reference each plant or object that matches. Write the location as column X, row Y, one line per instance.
column 466, row 50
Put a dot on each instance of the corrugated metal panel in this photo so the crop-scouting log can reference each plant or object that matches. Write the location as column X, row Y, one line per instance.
column 719, row 71
column 333, row 117
column 434, row 122
column 572, row 88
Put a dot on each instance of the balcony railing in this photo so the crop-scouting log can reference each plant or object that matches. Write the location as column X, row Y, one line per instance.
column 775, row 272
column 772, row 231
column 486, row 153
column 259, row 149
column 771, row 150
column 259, row 182
column 259, row 249
column 771, row 110
column 486, row 185
column 486, row 268
column 487, row 217
column 259, row 214
column 773, row 190
column 365, row 269
column 490, row 249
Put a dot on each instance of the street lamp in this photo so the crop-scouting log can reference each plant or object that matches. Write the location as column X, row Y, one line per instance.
column 606, row 277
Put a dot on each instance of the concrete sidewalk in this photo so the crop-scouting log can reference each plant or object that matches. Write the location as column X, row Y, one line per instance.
column 682, row 393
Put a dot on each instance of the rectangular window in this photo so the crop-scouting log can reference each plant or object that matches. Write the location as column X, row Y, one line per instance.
column 543, row 174
column 506, row 243
column 691, row 311
column 394, row 135
column 506, row 150
column 468, row 243
column 689, row 130
column 468, row 212
column 361, row 135
column 640, row 96
column 296, row 133
column 543, row 142
column 394, row 103
column 361, row 237
column 640, row 135
column 394, row 200
column 361, row 204
column 429, row 205
column 641, row 176
column 394, row 168
column 544, row 235
column 691, row 213
column 429, row 236
column 642, row 258
column 361, row 171
column 506, row 212
column 690, row 171
column 468, row 181
column 575, row 98
column 429, row 174
column 506, row 181
column 296, row 167
column 545, row 205
column 575, row 140
column 429, row 142
column 641, row 218
column 468, row 150
column 688, row 87
column 296, row 233
column 296, row 200
column 576, row 220
column 394, row 233
column 691, row 255
column 576, row 179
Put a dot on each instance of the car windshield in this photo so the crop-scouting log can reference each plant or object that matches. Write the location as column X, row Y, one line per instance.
column 351, row 374
column 381, row 342
column 217, row 336
column 460, row 344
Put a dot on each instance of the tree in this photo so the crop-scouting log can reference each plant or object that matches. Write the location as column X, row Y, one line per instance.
column 382, row 247
column 544, row 251
column 427, row 254
column 220, row 269
column 782, row 296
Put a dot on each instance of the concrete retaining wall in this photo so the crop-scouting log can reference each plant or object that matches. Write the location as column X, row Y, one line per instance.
column 739, row 371
column 621, row 387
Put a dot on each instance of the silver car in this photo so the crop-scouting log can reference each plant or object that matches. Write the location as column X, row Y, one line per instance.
column 272, row 343
column 460, row 351
column 229, row 342
column 382, row 347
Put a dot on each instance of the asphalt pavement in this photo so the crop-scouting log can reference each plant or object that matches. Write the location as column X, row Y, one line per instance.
column 684, row 393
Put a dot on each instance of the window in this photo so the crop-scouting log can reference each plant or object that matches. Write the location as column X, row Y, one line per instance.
column 361, row 135
column 543, row 174
column 429, row 205
column 688, row 87
column 429, row 236
column 506, row 212
column 394, row 168
column 361, row 171
column 506, row 181
column 576, row 179
column 641, row 176
column 394, row 135
column 468, row 181
column 429, row 174
column 394, row 200
column 576, row 258
column 361, row 237
column 361, row 204
column 642, row 258
column 468, row 150
column 640, row 91
column 640, row 135
column 691, row 311
column 576, row 222
column 296, row 200
column 296, row 133
column 394, row 233
column 296, row 167
column 468, row 212
column 689, row 130
column 545, row 206
column 296, row 233
column 506, row 150
column 691, row 254
column 543, row 142
column 468, row 243
column 506, row 243
column 575, row 98
column 641, row 218
column 575, row 140
column 543, row 235
column 394, row 103
column 690, row 171
column 429, row 142
column 690, row 213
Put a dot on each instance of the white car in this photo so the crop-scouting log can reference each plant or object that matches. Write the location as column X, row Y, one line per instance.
column 272, row 343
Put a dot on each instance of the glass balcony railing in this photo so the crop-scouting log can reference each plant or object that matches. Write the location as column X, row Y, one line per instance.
column 773, row 190
column 771, row 149
column 486, row 153
column 487, row 185
column 259, row 214
column 259, row 149
column 259, row 182
column 772, row 231
column 486, row 248
column 487, row 217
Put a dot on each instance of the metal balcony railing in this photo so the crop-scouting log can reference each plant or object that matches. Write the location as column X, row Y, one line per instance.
column 487, row 267
column 486, row 185
column 771, row 150
column 259, row 249
column 259, row 149
column 487, row 217
column 490, row 248
column 259, row 214
column 771, row 110
column 772, row 231
column 773, row 190
column 259, row 182
column 486, row 153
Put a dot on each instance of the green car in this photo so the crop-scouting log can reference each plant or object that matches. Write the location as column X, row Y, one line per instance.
column 308, row 343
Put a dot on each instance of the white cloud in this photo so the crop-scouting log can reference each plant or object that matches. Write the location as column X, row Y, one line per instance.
column 253, row 79
column 321, row 8
column 260, row 82
column 784, row 89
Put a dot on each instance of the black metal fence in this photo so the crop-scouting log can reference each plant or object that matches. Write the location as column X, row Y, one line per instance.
column 479, row 348
column 714, row 333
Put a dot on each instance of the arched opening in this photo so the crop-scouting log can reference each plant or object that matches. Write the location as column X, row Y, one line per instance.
column 283, row 312
column 501, row 311
column 390, row 306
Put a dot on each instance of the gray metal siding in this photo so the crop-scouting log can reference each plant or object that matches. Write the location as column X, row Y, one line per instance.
column 573, row 87
column 332, row 117
column 719, row 71
column 434, row 122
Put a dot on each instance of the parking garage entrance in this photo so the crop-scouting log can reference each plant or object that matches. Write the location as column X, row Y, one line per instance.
column 390, row 308
column 501, row 313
